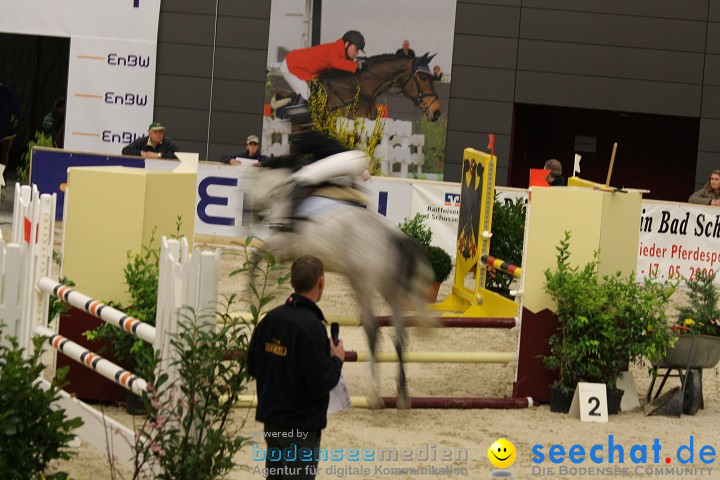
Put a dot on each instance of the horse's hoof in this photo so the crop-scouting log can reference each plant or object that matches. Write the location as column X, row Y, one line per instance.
column 403, row 403
column 375, row 402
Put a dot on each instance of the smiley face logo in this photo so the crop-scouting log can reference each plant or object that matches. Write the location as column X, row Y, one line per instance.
column 502, row 453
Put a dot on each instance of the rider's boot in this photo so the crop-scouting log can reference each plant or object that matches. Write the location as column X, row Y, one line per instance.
column 298, row 194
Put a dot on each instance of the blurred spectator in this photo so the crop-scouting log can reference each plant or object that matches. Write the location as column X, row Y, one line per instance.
column 252, row 152
column 554, row 178
column 152, row 145
column 437, row 73
column 405, row 51
column 710, row 193
column 9, row 117
column 54, row 122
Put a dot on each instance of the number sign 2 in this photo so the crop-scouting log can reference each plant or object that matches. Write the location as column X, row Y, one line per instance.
column 590, row 402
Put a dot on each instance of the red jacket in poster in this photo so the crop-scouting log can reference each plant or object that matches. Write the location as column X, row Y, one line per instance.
column 305, row 63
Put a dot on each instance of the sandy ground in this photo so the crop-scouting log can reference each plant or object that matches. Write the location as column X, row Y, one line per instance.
column 465, row 434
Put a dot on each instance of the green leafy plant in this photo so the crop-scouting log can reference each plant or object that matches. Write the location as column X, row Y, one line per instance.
column 416, row 229
column 440, row 262
column 142, row 273
column 603, row 325
column 438, row 259
column 508, row 229
column 434, row 148
column 197, row 438
column 189, row 432
column 40, row 140
column 57, row 307
column 701, row 314
column 32, row 433
column 348, row 133
column 266, row 278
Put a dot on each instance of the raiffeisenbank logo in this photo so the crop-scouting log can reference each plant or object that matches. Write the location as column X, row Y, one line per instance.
column 502, row 454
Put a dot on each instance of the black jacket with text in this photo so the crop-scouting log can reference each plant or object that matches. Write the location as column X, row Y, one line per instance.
column 289, row 355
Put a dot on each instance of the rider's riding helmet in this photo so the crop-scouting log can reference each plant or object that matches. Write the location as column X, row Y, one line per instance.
column 356, row 38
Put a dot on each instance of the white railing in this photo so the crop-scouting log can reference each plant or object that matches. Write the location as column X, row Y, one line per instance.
column 25, row 285
column 398, row 144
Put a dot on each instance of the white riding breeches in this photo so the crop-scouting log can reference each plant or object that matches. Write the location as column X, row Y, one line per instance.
column 297, row 84
column 350, row 164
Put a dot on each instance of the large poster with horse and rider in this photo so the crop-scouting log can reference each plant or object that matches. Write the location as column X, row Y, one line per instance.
column 378, row 86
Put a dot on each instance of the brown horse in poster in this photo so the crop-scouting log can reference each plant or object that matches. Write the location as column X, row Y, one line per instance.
column 411, row 76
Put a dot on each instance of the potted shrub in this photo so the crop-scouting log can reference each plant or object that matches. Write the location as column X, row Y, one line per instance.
column 33, row 431
column 141, row 276
column 604, row 325
column 508, row 229
column 438, row 259
column 441, row 264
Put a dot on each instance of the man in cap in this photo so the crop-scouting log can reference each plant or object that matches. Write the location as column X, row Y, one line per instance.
column 252, row 152
column 152, row 145
column 405, row 51
column 302, row 65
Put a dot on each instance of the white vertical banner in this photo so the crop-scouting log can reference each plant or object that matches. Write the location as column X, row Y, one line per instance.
column 389, row 197
column 440, row 203
column 110, row 98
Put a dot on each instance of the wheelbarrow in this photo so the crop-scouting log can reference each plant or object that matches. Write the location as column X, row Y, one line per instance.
column 687, row 358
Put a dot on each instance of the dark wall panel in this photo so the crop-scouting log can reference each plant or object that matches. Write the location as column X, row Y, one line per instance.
column 174, row 90
column 646, row 56
column 709, row 138
column 240, row 64
column 483, row 83
column 491, row 20
column 186, row 28
column 608, row 93
column 685, row 9
column 192, row 37
column 610, row 61
column 173, row 59
column 227, row 99
column 603, row 29
column 482, row 51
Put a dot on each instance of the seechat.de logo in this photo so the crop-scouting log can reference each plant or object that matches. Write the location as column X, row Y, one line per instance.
column 452, row 199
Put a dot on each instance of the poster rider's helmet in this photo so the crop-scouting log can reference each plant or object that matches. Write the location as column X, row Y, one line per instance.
column 356, row 38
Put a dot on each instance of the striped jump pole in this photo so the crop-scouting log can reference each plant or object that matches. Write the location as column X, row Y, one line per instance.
column 250, row 401
column 410, row 321
column 99, row 310
column 502, row 265
column 435, row 357
column 447, row 322
column 93, row 361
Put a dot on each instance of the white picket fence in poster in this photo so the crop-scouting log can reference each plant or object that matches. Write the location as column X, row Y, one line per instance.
column 398, row 150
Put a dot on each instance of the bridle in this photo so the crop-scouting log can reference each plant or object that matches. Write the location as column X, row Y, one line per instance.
column 418, row 100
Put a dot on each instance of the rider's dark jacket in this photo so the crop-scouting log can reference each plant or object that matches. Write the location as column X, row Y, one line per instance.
column 306, row 148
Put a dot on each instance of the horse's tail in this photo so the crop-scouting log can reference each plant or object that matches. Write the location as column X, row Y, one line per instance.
column 414, row 275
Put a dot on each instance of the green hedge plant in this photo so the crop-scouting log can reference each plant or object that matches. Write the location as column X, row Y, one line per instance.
column 604, row 324
column 32, row 432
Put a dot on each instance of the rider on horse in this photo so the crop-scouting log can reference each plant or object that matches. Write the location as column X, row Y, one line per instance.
column 315, row 159
column 302, row 65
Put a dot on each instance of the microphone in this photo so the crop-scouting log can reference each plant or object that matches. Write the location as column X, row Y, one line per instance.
column 335, row 333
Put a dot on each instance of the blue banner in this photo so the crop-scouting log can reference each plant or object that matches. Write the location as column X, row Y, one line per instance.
column 48, row 169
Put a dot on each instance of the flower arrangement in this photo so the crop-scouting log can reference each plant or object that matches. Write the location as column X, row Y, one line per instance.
column 701, row 314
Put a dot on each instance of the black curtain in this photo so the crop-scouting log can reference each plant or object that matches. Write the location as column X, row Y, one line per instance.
column 35, row 68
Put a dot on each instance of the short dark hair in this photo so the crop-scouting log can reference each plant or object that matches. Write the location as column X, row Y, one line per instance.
column 305, row 272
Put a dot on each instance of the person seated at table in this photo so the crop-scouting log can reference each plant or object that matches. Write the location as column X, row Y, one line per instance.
column 152, row 145
column 710, row 193
column 252, row 152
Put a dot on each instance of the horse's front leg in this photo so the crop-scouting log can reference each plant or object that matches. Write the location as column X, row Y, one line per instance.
column 370, row 327
column 403, row 399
